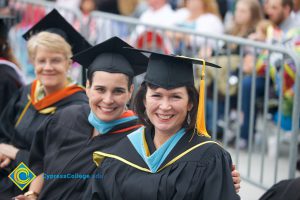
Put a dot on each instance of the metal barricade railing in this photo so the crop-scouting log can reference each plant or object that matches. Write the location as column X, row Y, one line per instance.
column 255, row 165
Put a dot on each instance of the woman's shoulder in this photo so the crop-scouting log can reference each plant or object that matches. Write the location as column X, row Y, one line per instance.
column 80, row 94
column 12, row 71
column 205, row 149
column 72, row 113
column 77, row 98
column 23, row 93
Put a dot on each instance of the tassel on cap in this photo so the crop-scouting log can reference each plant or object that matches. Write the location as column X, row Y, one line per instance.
column 200, row 121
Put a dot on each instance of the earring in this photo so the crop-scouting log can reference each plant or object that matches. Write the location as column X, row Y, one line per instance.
column 188, row 120
column 146, row 117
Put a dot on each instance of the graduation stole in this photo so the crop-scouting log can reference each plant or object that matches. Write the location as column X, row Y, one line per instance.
column 104, row 127
column 138, row 140
column 41, row 102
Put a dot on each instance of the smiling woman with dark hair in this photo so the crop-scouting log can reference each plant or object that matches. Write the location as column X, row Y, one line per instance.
column 172, row 155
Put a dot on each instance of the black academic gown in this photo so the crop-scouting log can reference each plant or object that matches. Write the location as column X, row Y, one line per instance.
column 203, row 173
column 64, row 146
column 9, row 84
column 284, row 190
column 22, row 135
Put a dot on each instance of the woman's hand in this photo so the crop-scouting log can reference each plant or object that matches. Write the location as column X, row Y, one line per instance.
column 9, row 150
column 23, row 197
column 4, row 160
column 30, row 195
column 236, row 179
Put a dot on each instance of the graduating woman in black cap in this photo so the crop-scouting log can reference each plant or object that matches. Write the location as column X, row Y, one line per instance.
column 50, row 46
column 172, row 156
column 11, row 75
column 64, row 145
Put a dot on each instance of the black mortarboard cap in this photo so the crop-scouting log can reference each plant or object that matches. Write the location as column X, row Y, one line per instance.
column 3, row 29
column 55, row 23
column 4, row 22
column 171, row 71
column 110, row 56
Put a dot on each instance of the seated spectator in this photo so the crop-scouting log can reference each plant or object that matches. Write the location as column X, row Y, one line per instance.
column 159, row 12
column 202, row 16
column 87, row 25
column 286, row 84
column 50, row 45
column 247, row 14
column 260, row 34
column 279, row 13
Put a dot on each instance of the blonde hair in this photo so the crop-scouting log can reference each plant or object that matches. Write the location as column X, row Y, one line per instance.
column 256, row 16
column 211, row 6
column 50, row 41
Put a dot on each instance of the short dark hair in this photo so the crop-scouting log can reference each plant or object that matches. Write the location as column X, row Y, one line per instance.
column 91, row 76
column 139, row 107
column 289, row 3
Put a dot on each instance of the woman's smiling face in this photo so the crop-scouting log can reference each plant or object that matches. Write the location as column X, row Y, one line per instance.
column 108, row 94
column 51, row 68
column 167, row 109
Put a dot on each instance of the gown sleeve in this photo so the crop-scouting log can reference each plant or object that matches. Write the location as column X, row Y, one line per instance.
column 37, row 150
column 7, row 119
column 94, row 189
column 218, row 182
column 286, row 189
column 22, row 156
column 7, row 88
